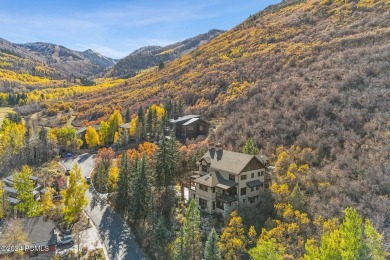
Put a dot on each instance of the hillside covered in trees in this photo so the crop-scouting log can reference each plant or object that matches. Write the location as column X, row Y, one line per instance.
column 309, row 73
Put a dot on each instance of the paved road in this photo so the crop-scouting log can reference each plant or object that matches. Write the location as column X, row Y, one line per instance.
column 116, row 235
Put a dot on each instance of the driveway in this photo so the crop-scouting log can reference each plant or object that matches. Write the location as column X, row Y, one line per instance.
column 115, row 233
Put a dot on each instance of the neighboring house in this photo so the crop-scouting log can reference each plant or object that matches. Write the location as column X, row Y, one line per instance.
column 228, row 180
column 12, row 193
column 190, row 126
column 41, row 239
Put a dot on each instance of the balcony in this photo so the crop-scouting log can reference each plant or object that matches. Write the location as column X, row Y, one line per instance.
column 227, row 198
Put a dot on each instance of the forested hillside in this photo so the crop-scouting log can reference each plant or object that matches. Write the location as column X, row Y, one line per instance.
column 310, row 73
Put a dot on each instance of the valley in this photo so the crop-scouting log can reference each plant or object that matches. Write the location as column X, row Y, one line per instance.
column 278, row 127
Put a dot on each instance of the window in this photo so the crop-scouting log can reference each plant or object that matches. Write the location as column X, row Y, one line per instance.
column 220, row 204
column 232, row 177
column 194, row 196
column 252, row 189
column 262, row 184
column 200, row 128
column 257, row 187
column 190, row 127
column 202, row 203
column 262, row 173
column 258, row 174
column 243, row 177
column 213, row 204
column 243, row 191
column 213, row 190
column 204, row 168
column 252, row 200
column 252, row 175
column 202, row 187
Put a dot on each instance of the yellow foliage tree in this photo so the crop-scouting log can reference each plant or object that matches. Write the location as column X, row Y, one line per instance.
column 92, row 137
column 74, row 196
column 47, row 203
column 113, row 177
column 233, row 241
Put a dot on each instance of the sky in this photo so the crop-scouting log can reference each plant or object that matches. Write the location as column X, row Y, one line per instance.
column 116, row 28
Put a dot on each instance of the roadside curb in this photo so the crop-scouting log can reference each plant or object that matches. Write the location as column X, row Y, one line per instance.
column 100, row 238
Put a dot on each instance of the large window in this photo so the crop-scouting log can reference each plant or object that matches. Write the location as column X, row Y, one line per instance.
column 232, row 177
column 202, row 203
column 190, row 127
column 203, row 187
column 243, row 191
column 252, row 175
column 204, row 168
column 243, row 177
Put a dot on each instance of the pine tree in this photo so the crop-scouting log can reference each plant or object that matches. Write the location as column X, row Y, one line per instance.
column 297, row 199
column 123, row 186
column 25, row 187
column 140, row 190
column 162, row 166
column 233, row 241
column 127, row 116
column 180, row 247
column 74, row 196
column 160, row 239
column 191, row 228
column 211, row 249
column 250, row 147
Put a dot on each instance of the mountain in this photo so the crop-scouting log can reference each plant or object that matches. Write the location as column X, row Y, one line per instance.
column 150, row 56
column 80, row 64
column 307, row 73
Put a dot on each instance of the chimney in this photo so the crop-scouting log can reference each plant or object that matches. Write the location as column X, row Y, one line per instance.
column 175, row 117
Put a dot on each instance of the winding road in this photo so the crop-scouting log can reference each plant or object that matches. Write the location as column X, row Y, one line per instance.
column 115, row 233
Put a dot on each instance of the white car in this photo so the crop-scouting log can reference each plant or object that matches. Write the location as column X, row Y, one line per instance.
column 65, row 240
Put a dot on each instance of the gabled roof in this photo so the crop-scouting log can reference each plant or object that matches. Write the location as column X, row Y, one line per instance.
column 227, row 161
column 40, row 231
column 215, row 179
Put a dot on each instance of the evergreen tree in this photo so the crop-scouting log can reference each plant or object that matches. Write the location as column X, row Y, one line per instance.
column 162, row 166
column 297, row 199
column 211, row 249
column 180, row 247
column 140, row 190
column 233, row 241
column 160, row 239
column 127, row 116
column 123, row 185
column 25, row 187
column 250, row 147
column 191, row 228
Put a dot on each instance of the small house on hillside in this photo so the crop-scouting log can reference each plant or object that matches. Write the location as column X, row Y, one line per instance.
column 190, row 126
column 12, row 193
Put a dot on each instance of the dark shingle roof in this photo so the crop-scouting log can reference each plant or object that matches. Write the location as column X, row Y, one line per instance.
column 254, row 183
column 227, row 161
column 215, row 179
